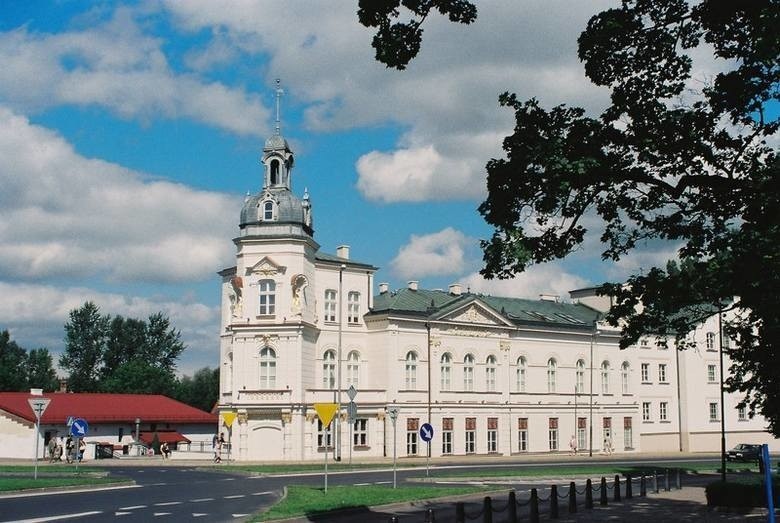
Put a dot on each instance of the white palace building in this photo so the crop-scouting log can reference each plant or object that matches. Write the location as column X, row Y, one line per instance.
column 493, row 375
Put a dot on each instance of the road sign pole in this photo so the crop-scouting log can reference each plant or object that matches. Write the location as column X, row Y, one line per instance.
column 327, row 443
column 351, row 427
column 38, row 406
column 37, row 437
column 394, row 431
column 428, row 461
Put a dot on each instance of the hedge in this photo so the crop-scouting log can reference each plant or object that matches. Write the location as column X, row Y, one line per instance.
column 749, row 492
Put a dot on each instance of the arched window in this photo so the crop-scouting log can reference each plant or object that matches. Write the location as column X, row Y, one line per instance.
column 490, row 373
column 552, row 371
column 267, row 297
column 274, row 171
column 329, row 370
column 579, row 381
column 605, row 377
column 446, row 371
column 411, row 370
column 625, row 371
column 353, row 368
column 268, row 211
column 710, row 340
column 267, row 368
column 522, row 369
column 468, row 372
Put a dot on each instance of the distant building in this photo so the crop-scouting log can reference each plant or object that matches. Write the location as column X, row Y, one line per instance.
column 114, row 420
column 493, row 375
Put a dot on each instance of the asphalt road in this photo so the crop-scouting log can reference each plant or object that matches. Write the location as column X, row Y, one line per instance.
column 186, row 493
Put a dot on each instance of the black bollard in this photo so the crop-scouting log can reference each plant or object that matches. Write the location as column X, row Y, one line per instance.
column 554, row 502
column 666, row 481
column 642, row 486
column 488, row 510
column 534, row 507
column 572, row 498
column 589, row 494
column 393, row 519
column 655, row 481
column 679, row 480
column 617, row 487
column 629, row 487
column 512, row 503
column 603, row 499
column 460, row 512
column 429, row 516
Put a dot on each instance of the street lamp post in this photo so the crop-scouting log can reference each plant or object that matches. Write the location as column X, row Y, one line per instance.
column 337, row 451
column 590, row 407
column 722, row 406
column 137, row 435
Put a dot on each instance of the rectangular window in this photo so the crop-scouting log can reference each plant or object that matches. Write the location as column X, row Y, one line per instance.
column 713, row 411
column 645, row 373
column 710, row 341
column 522, row 434
column 553, row 434
column 741, row 413
column 266, row 298
column 662, row 372
column 492, row 435
column 471, row 435
column 582, row 438
column 412, row 426
column 353, row 307
column 645, row 411
column 330, row 305
column 446, row 436
column 360, row 432
column 628, row 434
column 663, row 408
column 712, row 373
column 324, row 437
column 644, row 344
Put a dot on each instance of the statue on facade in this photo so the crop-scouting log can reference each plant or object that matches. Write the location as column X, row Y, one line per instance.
column 298, row 285
column 236, row 295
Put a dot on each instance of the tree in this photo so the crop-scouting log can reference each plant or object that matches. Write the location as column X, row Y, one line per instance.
column 201, row 390
column 163, row 344
column 85, row 339
column 125, row 340
column 139, row 377
column 13, row 359
column 40, row 370
column 673, row 159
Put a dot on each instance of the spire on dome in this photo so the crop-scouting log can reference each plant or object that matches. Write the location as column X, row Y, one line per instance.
column 279, row 93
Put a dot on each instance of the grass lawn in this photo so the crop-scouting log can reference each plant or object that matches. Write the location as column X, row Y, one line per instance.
column 302, row 501
column 18, row 483
column 316, row 467
column 59, row 468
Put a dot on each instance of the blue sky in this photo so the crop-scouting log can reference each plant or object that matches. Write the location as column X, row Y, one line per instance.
column 130, row 131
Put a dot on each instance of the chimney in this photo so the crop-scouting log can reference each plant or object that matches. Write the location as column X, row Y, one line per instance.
column 342, row 251
column 413, row 285
column 36, row 392
column 383, row 287
column 456, row 289
column 63, row 385
column 550, row 297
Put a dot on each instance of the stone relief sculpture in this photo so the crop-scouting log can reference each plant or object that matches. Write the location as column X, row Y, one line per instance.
column 236, row 296
column 298, row 286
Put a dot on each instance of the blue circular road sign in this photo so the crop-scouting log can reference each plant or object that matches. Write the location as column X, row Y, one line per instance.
column 79, row 428
column 426, row 432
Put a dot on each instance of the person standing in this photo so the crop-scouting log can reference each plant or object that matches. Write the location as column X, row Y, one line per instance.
column 69, row 449
column 573, row 445
column 52, row 448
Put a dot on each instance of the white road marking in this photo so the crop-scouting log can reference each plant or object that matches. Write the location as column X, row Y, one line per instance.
column 167, row 503
column 236, row 496
column 262, row 493
column 239, row 515
column 62, row 492
column 199, row 500
column 361, row 484
column 121, row 513
column 199, row 514
column 382, row 482
column 134, row 507
column 158, row 514
column 61, row 516
column 228, row 479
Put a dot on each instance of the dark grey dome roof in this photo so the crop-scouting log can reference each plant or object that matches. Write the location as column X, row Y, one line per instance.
column 276, row 142
column 289, row 209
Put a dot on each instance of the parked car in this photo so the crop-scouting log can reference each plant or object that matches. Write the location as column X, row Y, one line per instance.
column 744, row 452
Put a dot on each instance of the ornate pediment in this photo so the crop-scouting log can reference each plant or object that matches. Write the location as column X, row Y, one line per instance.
column 266, row 267
column 477, row 314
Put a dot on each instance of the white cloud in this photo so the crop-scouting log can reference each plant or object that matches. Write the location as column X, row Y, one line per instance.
column 439, row 253
column 65, row 215
column 38, row 314
column 115, row 66
column 548, row 279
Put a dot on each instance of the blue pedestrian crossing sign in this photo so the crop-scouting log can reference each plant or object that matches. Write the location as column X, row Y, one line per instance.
column 426, row 432
column 79, row 428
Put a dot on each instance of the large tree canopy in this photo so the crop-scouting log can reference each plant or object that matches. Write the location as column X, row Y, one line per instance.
column 20, row 371
column 691, row 161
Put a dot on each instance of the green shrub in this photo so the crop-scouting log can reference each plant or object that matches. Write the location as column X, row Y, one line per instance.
column 749, row 492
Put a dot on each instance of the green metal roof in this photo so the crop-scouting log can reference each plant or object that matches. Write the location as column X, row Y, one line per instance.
column 518, row 311
column 330, row 258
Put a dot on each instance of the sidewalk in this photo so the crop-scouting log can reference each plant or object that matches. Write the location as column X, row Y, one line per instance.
column 687, row 504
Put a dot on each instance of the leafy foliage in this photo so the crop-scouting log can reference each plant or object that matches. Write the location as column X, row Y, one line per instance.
column 674, row 158
column 40, row 370
column 85, row 337
column 13, row 360
column 201, row 390
column 397, row 43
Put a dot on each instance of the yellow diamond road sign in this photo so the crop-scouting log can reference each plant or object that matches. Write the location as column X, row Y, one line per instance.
column 228, row 418
column 326, row 411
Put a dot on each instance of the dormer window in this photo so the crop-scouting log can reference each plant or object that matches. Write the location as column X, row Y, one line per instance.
column 268, row 211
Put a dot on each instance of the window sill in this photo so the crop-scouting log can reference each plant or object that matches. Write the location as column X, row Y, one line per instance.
column 361, row 447
column 663, row 383
column 665, row 421
column 648, row 421
column 323, row 449
column 647, row 383
column 354, row 324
